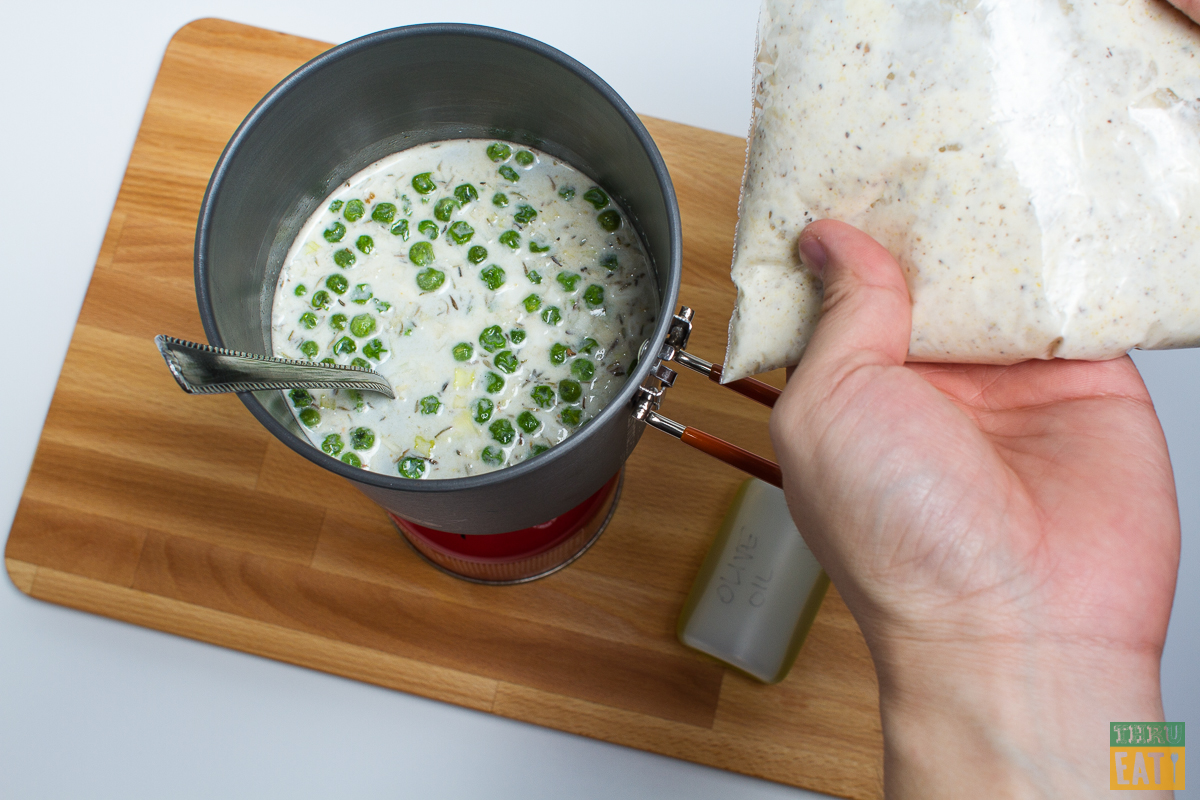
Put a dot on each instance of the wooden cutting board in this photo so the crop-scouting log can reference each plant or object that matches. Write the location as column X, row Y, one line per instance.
column 181, row 513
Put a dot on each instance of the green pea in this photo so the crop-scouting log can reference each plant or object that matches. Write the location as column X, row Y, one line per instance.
column 500, row 200
column 344, row 346
column 335, row 232
column 301, row 290
column 361, row 363
column 510, row 239
column 412, row 467
column 571, row 416
column 587, row 345
column 361, row 294
column 423, row 183
column 354, row 210
column 532, row 303
column 492, row 383
column 551, row 315
column 483, row 410
column 428, row 228
column 383, row 212
column 310, row 348
column 382, row 306
column 499, row 151
column 429, row 404
column 543, row 396
column 374, row 350
column 421, row 254
column 538, row 449
column 430, row 279
column 507, row 362
column 461, row 232
column 328, row 360
column 445, row 208
column 596, row 197
column 405, row 205
column 477, row 254
column 558, row 353
column 525, row 214
column 492, row 277
column 332, row 444
column 567, row 280
column 567, row 193
column 310, row 417
column 463, row 351
column 300, row 398
column 321, row 300
column 351, row 459
column 365, row 244
column 533, row 275
column 338, row 322
column 492, row 338
column 308, row 320
column 524, row 158
column 362, row 438
column 401, row 229
column 493, row 455
column 569, row 390
column 362, row 326
column 609, row 220
column 528, row 422
column 344, row 258
column 516, row 335
column 337, row 283
column 502, row 431
column 336, row 205
column 466, row 193
column 609, row 261
column 357, row 397
column 509, row 174
column 534, row 247
column 583, row 369
column 594, row 295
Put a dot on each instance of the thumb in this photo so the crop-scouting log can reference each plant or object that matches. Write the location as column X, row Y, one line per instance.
column 1189, row 7
column 866, row 316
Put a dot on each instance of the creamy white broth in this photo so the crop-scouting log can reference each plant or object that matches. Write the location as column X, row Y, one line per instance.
column 532, row 276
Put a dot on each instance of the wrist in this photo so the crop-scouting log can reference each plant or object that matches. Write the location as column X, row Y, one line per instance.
column 1005, row 720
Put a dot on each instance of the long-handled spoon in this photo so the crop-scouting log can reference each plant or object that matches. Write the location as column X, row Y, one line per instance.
column 204, row 369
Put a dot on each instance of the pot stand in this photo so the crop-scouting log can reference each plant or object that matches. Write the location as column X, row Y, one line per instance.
column 521, row 556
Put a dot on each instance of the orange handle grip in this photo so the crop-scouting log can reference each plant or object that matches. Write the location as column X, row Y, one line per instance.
column 756, row 390
column 734, row 456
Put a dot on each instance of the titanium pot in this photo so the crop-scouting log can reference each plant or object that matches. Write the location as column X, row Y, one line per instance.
column 387, row 92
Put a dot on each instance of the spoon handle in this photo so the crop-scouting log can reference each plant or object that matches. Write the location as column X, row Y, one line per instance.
column 204, row 369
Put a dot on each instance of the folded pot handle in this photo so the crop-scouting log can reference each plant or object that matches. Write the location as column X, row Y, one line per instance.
column 648, row 398
column 757, row 391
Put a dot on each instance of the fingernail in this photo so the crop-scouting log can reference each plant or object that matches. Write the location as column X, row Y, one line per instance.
column 813, row 254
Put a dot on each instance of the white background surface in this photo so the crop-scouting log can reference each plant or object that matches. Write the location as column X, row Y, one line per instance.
column 95, row 708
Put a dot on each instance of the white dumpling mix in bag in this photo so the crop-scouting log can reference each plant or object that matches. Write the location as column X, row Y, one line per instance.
column 1033, row 165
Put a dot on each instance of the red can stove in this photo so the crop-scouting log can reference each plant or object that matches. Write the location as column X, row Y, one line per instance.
column 517, row 556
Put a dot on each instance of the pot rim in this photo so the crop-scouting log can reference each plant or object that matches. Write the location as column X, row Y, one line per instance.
column 621, row 404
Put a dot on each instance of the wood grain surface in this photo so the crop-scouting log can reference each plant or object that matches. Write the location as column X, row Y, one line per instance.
column 181, row 513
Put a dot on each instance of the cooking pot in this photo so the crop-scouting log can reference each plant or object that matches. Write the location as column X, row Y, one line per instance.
column 390, row 91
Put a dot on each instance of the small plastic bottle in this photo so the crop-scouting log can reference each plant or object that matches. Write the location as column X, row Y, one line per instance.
column 758, row 591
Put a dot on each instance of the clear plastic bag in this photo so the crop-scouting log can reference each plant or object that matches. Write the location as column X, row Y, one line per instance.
column 1033, row 165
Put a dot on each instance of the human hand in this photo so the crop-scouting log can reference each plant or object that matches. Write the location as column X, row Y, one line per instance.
column 1006, row 537
column 1189, row 7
